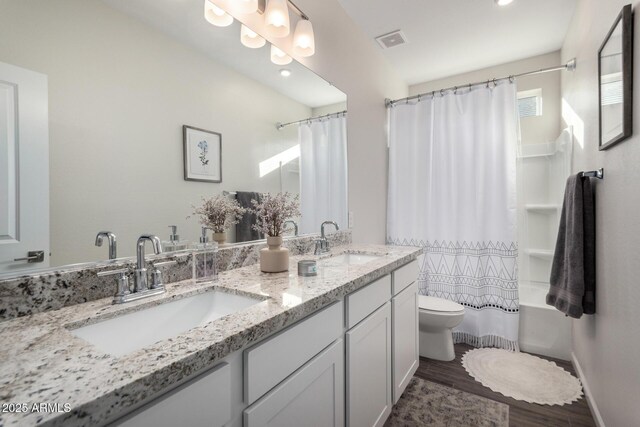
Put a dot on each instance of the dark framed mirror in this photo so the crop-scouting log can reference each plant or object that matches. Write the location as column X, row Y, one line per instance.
column 615, row 81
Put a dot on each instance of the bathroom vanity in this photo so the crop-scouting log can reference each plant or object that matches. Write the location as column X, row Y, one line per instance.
column 250, row 349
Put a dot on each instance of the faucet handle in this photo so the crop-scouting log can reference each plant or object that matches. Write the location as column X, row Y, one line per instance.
column 123, row 284
column 156, row 274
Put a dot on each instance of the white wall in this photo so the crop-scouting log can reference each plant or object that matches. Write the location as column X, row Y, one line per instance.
column 119, row 93
column 607, row 345
column 534, row 130
column 353, row 63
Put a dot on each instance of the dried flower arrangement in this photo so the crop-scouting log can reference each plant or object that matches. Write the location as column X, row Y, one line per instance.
column 273, row 211
column 219, row 213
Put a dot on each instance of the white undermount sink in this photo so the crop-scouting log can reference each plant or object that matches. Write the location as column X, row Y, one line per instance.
column 351, row 259
column 130, row 332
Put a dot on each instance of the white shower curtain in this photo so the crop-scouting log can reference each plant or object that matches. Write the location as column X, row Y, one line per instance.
column 323, row 173
column 452, row 190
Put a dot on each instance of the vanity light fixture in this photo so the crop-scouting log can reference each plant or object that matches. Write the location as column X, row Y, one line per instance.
column 303, row 39
column 503, row 2
column 285, row 72
column 276, row 18
column 216, row 16
column 246, row 6
column 251, row 39
column 278, row 57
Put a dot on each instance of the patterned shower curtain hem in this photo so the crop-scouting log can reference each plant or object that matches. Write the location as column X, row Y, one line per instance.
column 485, row 341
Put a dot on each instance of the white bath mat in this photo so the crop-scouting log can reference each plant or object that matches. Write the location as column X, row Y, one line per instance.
column 522, row 376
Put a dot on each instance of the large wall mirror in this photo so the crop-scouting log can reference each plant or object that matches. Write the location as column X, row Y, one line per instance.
column 94, row 97
column 615, row 77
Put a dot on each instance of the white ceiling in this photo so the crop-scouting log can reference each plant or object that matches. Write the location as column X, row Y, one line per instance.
column 449, row 37
column 184, row 21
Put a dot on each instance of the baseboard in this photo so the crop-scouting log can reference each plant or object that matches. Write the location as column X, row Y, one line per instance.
column 587, row 392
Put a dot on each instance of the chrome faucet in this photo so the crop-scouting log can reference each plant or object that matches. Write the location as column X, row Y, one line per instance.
column 111, row 238
column 295, row 226
column 141, row 282
column 322, row 244
column 141, row 288
column 203, row 237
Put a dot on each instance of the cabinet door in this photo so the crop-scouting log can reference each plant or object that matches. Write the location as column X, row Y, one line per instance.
column 369, row 370
column 404, row 309
column 311, row 396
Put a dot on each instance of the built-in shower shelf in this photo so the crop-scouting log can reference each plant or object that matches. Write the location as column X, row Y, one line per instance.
column 542, row 209
column 540, row 253
column 537, row 156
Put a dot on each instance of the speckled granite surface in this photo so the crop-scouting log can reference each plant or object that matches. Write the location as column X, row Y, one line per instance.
column 41, row 361
column 54, row 289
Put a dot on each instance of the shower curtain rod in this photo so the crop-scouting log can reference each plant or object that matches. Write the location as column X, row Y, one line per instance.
column 569, row 66
column 281, row 125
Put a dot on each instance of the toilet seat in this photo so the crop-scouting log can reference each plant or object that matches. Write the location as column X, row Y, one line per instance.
column 439, row 305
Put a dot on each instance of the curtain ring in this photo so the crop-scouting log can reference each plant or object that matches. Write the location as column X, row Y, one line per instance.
column 455, row 90
column 433, row 94
column 511, row 79
column 419, row 97
column 488, row 84
column 469, row 87
column 441, row 92
column 494, row 83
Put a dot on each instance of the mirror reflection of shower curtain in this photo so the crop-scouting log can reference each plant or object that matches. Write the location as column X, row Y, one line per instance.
column 323, row 173
column 452, row 190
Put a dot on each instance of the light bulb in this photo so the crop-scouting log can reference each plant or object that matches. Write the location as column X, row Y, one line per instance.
column 250, row 39
column 245, row 6
column 503, row 2
column 303, row 40
column 216, row 16
column 278, row 57
column 276, row 18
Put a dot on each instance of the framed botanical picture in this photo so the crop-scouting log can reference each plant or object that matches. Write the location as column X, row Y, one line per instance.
column 202, row 155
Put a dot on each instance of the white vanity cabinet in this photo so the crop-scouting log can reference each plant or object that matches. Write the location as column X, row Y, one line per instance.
column 381, row 345
column 347, row 363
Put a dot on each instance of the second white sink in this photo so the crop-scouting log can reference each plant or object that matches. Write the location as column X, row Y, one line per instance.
column 130, row 332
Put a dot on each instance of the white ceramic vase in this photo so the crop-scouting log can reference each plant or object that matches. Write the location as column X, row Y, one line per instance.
column 274, row 258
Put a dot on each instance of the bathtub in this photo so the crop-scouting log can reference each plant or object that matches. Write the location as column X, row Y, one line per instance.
column 543, row 329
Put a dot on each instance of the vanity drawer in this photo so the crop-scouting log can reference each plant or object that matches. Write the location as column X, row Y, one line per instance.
column 404, row 276
column 365, row 301
column 204, row 401
column 271, row 361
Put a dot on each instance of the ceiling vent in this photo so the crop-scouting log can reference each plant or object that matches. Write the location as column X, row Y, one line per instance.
column 392, row 39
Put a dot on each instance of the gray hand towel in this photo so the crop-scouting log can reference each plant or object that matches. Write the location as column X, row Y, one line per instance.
column 244, row 229
column 573, row 272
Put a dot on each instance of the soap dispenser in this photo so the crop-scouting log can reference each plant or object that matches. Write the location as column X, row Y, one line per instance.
column 174, row 243
column 205, row 268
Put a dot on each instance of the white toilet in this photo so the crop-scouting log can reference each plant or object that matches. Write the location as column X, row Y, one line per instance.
column 437, row 317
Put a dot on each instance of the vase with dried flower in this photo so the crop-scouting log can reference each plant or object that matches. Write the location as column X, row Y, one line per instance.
column 219, row 213
column 272, row 213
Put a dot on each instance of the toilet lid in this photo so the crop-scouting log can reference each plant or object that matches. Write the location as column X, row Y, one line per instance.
column 438, row 304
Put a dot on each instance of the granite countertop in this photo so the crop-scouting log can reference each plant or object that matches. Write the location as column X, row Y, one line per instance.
column 42, row 362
